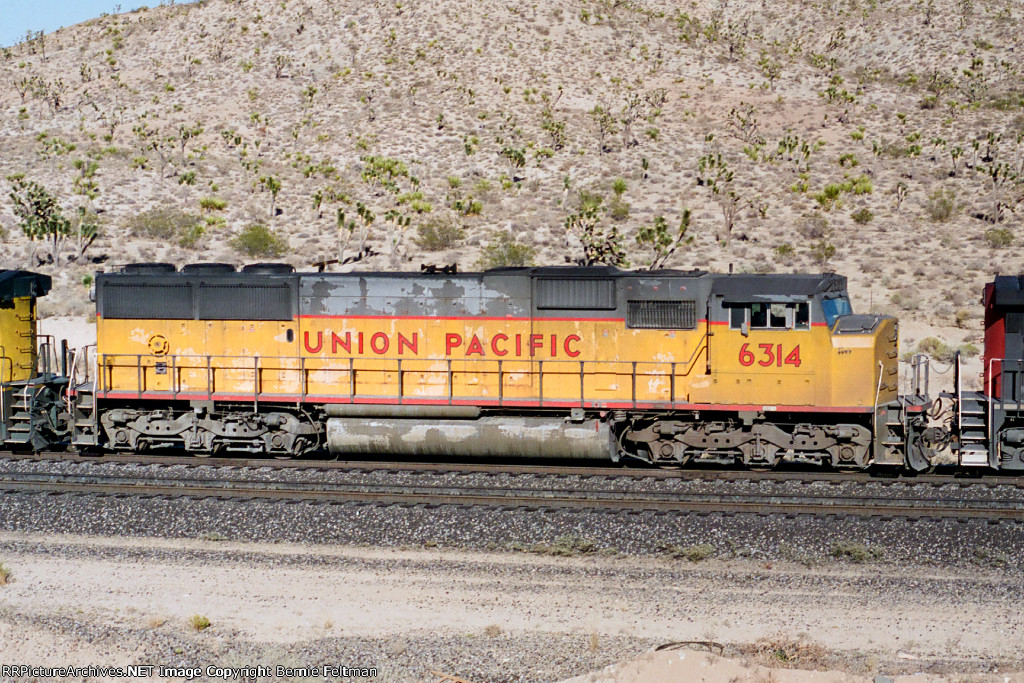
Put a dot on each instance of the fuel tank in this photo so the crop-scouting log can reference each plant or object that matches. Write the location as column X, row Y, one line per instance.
column 493, row 437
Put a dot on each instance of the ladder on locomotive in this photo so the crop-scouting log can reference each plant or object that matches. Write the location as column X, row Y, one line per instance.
column 972, row 422
column 30, row 401
column 80, row 398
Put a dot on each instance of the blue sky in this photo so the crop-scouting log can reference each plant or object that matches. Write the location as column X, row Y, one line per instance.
column 18, row 16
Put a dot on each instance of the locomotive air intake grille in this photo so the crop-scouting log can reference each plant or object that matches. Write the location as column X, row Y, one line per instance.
column 662, row 315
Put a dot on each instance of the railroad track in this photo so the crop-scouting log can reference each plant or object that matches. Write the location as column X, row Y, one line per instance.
column 546, row 497
column 956, row 478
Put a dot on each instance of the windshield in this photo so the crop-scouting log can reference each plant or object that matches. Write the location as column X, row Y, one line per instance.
column 834, row 308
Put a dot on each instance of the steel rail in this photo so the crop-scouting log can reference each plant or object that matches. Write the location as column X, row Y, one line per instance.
column 447, row 495
column 597, row 470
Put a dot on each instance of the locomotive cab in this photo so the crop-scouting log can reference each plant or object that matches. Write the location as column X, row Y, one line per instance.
column 18, row 292
column 1004, row 338
column 799, row 334
column 991, row 424
column 789, row 351
column 31, row 412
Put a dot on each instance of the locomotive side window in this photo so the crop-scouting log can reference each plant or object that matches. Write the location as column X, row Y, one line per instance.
column 1013, row 321
column 737, row 316
column 802, row 317
column 770, row 316
column 758, row 316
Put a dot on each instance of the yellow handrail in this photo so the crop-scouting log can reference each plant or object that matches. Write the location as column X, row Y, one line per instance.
column 175, row 365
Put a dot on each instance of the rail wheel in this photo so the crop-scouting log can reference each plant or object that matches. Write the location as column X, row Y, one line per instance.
column 760, row 456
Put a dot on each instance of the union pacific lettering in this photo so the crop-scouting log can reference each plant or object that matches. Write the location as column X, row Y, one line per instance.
column 456, row 345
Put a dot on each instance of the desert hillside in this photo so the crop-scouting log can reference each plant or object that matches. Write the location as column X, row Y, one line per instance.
column 879, row 139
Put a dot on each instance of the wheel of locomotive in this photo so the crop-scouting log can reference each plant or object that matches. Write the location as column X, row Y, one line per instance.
column 760, row 456
column 683, row 457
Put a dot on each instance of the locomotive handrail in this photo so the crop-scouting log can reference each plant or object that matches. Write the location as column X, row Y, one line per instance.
column 878, row 388
column 959, row 389
column 989, row 378
column 990, row 381
column 920, row 366
column 957, row 379
column 990, row 403
column 297, row 373
column 82, row 352
column 4, row 358
column 3, row 410
column 44, row 343
column 702, row 345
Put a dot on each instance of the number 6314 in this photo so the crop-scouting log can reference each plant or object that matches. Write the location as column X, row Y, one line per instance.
column 768, row 355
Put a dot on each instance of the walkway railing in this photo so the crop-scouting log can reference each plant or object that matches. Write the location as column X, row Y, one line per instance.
column 584, row 383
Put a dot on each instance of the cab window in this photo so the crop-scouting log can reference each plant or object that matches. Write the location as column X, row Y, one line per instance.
column 737, row 316
column 758, row 316
column 770, row 316
column 802, row 317
column 834, row 308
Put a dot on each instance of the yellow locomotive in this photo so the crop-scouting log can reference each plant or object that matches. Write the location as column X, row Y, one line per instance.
column 665, row 366
column 32, row 412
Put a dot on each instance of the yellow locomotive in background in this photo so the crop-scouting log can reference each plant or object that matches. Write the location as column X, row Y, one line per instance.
column 666, row 366
column 18, row 344
column 31, row 411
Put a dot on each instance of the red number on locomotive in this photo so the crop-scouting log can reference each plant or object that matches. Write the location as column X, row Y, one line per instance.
column 771, row 354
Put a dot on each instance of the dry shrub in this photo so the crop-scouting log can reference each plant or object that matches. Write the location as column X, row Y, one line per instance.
column 505, row 251
column 692, row 553
column 565, row 546
column 199, row 623
column 256, row 240
column 791, row 653
column 814, row 227
column 941, row 205
column 162, row 223
column 438, row 234
column 855, row 551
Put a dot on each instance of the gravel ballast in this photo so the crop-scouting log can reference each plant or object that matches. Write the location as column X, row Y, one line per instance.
column 499, row 594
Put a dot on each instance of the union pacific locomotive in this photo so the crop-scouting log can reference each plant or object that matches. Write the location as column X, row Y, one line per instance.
column 667, row 367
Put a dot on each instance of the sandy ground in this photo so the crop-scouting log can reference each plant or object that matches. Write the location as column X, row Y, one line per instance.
column 77, row 331
column 312, row 592
column 695, row 666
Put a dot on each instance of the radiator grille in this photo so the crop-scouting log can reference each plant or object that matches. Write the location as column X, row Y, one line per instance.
column 576, row 293
column 142, row 301
column 662, row 315
column 147, row 302
column 245, row 302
